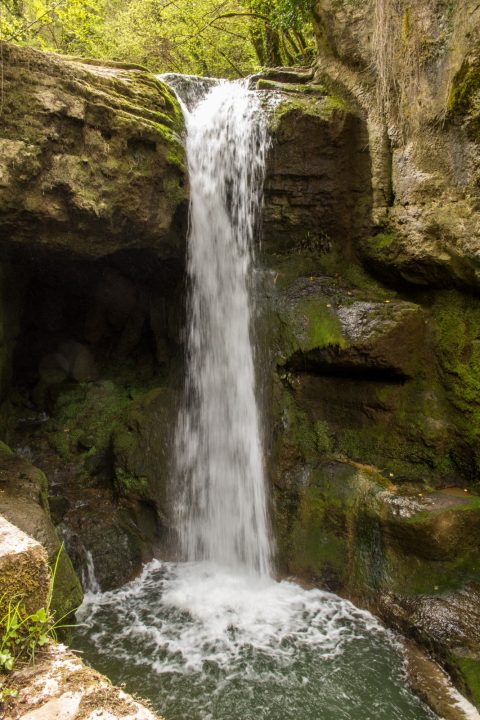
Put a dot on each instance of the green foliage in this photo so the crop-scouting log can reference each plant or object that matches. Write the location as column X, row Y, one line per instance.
column 229, row 38
column 70, row 26
column 22, row 633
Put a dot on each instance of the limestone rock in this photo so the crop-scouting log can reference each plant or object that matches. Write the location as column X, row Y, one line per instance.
column 91, row 156
column 23, row 568
column 414, row 71
column 23, row 502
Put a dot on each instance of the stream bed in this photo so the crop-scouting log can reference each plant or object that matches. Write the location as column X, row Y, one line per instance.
column 205, row 643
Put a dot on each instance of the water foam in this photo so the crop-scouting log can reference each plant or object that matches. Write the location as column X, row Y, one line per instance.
column 207, row 642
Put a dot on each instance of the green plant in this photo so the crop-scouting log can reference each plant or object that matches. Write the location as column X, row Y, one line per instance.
column 22, row 633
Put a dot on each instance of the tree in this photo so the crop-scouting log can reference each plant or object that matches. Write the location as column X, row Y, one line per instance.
column 225, row 38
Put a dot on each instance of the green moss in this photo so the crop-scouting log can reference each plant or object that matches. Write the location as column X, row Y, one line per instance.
column 322, row 326
column 126, row 483
column 318, row 537
column 299, row 439
column 67, row 592
column 410, row 576
column 457, row 335
column 469, row 670
column 323, row 437
column 381, row 248
column 465, row 89
column 305, row 100
column 332, row 104
column 92, row 407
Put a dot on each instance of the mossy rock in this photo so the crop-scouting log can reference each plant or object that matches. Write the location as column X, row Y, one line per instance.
column 93, row 156
column 464, row 98
column 24, row 502
column 326, row 324
column 142, row 447
column 85, row 416
column 457, row 336
column 23, row 569
column 352, row 522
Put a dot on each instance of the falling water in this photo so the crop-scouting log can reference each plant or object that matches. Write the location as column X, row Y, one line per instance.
column 217, row 638
column 221, row 512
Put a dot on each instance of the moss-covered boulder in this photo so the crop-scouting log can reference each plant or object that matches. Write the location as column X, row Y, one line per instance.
column 106, row 450
column 142, row 449
column 24, row 502
column 327, row 325
column 91, row 155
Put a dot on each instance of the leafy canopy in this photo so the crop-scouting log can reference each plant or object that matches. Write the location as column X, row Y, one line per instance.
column 205, row 37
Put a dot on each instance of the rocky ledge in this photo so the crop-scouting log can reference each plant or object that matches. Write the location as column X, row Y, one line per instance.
column 91, row 155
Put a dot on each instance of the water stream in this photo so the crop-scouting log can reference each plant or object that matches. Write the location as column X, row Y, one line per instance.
column 221, row 507
column 216, row 637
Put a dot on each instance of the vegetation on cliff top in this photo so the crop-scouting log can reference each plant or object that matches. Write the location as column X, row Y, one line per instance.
column 204, row 37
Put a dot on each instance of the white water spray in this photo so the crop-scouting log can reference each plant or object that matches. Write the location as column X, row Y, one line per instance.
column 221, row 511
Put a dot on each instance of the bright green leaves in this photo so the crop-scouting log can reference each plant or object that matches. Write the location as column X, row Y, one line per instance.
column 223, row 38
column 71, row 26
column 22, row 633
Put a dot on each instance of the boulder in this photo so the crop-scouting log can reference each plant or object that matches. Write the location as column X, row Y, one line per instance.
column 410, row 555
column 24, row 502
column 23, row 568
column 91, row 156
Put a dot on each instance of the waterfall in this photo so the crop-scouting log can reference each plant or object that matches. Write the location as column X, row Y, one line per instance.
column 221, row 505
column 218, row 637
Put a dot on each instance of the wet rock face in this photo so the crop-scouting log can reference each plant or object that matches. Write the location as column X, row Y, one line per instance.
column 91, row 156
column 317, row 189
column 359, row 366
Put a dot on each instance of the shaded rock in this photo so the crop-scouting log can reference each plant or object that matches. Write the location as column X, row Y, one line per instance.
column 92, row 159
column 118, row 538
column 23, row 502
column 317, row 187
column 330, row 326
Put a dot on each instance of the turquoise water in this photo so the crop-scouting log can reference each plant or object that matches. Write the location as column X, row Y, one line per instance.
column 205, row 644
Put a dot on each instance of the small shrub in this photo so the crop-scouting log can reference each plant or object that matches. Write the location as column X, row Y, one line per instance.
column 22, row 633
